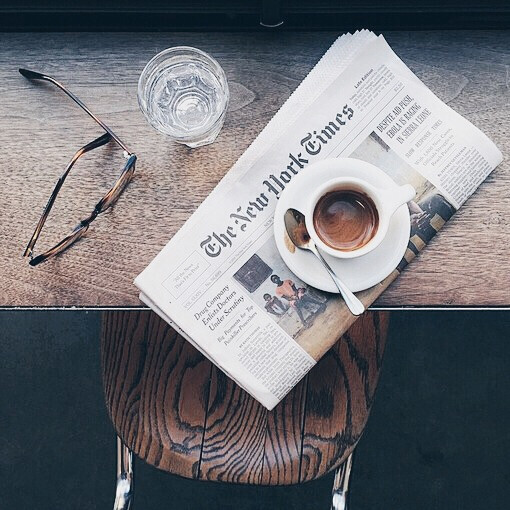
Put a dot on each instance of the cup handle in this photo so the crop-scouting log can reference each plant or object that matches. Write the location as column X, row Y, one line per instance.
column 396, row 197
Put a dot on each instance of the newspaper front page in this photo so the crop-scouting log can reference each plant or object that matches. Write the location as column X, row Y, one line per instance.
column 221, row 281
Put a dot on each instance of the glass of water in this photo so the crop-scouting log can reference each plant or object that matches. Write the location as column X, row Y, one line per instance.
column 183, row 92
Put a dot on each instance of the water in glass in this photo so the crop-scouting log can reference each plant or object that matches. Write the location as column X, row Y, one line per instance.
column 183, row 93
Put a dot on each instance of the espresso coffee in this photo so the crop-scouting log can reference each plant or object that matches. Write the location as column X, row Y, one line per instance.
column 345, row 219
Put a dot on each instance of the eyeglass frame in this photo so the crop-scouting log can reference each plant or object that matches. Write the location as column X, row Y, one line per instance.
column 107, row 201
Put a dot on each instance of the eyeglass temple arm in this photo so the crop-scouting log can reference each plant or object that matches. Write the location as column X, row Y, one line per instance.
column 98, row 142
column 33, row 75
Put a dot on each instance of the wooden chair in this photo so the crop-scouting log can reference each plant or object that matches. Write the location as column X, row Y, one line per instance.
column 175, row 410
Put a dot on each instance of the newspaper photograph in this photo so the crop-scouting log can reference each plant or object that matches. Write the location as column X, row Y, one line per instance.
column 221, row 282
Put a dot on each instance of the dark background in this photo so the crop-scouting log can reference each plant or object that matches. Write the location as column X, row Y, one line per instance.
column 340, row 15
column 438, row 437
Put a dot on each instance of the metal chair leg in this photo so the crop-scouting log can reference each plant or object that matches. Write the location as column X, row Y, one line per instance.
column 341, row 485
column 125, row 478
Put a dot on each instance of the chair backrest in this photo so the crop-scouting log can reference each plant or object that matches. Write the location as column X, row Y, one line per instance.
column 178, row 412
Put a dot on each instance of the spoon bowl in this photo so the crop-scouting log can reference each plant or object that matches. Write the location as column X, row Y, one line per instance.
column 298, row 234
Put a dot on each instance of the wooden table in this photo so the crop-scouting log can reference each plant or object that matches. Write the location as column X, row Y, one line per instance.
column 465, row 265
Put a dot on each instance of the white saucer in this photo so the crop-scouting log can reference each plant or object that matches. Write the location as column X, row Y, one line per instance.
column 359, row 273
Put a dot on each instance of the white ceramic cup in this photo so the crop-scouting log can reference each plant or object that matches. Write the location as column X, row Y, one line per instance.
column 386, row 200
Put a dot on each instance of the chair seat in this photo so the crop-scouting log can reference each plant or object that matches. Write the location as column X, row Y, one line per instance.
column 178, row 412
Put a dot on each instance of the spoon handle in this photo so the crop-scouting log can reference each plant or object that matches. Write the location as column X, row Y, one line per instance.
column 355, row 305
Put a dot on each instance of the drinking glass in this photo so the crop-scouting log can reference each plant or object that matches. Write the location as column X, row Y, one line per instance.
column 183, row 92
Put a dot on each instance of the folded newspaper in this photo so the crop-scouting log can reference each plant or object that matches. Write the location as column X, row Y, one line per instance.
column 219, row 280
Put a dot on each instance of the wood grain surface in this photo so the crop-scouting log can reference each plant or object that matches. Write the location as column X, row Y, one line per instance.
column 40, row 129
column 180, row 413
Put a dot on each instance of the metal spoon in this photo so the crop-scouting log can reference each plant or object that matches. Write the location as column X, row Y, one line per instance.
column 296, row 229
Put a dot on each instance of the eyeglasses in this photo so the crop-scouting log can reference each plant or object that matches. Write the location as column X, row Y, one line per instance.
column 108, row 200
